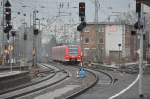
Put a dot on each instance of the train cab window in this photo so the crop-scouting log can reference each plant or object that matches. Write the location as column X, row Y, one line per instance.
column 73, row 51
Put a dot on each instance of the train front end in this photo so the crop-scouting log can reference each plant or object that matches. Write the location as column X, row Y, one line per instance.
column 74, row 54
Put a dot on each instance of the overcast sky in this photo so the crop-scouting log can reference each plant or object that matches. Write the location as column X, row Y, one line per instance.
column 50, row 8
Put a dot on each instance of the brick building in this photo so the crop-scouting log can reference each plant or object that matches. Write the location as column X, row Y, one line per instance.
column 113, row 41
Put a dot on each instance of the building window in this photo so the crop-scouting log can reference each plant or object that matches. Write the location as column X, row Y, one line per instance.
column 86, row 40
column 101, row 41
column 101, row 29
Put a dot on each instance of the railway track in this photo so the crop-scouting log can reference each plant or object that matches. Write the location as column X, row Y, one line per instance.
column 71, row 87
column 35, row 85
column 66, row 78
column 33, row 81
column 104, row 81
column 110, row 83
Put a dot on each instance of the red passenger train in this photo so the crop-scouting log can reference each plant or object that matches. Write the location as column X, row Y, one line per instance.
column 67, row 53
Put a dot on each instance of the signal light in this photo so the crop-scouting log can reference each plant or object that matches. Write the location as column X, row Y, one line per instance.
column 7, row 28
column 81, row 26
column 137, row 26
column 81, row 9
column 7, row 4
column 138, row 6
column 36, row 31
column 8, row 14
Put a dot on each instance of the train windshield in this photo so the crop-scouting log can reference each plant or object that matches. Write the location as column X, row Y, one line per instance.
column 73, row 51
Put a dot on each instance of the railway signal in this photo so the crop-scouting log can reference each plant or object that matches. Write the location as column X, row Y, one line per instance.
column 7, row 28
column 82, row 9
column 138, row 6
column 36, row 31
column 7, row 14
column 7, row 4
column 82, row 25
